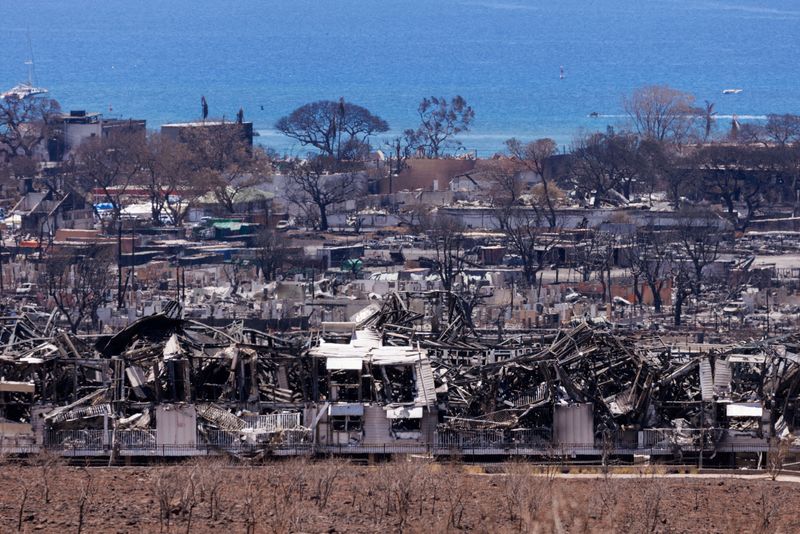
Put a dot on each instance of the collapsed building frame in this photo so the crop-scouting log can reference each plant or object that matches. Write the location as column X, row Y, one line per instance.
column 384, row 383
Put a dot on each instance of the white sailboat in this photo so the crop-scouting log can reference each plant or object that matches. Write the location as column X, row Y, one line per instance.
column 25, row 89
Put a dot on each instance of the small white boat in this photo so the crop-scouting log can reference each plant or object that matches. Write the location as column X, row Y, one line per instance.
column 731, row 91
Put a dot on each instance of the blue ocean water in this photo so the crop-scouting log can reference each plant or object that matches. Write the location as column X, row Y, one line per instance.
column 153, row 59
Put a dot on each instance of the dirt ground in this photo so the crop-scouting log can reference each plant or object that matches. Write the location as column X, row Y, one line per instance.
column 398, row 496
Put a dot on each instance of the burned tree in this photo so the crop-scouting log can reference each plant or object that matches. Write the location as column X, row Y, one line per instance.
column 339, row 130
column 110, row 165
column 166, row 172
column 661, row 113
column 595, row 255
column 683, row 284
column 506, row 183
column 310, row 186
column 649, row 257
column 25, row 124
column 224, row 162
column 783, row 129
column 607, row 167
column 525, row 237
column 400, row 149
column 440, row 121
column 678, row 176
column 696, row 245
column 698, row 240
column 271, row 253
column 736, row 174
column 78, row 284
column 709, row 119
column 447, row 236
column 533, row 157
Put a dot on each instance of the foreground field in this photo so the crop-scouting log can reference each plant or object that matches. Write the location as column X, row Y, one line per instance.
column 400, row 496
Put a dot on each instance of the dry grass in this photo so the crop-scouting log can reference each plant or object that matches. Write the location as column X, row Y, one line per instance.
column 405, row 495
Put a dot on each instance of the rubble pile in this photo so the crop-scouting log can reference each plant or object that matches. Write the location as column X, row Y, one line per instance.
column 165, row 381
column 81, row 384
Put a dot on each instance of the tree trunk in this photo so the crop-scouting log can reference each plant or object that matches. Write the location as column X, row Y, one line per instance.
column 679, row 298
column 323, row 218
column 530, row 274
column 697, row 285
column 551, row 212
column 603, row 284
column 728, row 200
column 656, row 296
column 637, row 293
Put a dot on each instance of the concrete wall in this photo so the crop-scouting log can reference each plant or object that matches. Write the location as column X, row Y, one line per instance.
column 573, row 424
column 176, row 424
column 573, row 217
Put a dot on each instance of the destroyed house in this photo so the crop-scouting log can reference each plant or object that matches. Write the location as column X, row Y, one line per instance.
column 45, row 213
column 166, row 385
column 373, row 394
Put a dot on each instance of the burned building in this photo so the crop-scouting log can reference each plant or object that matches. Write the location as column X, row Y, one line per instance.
column 166, row 385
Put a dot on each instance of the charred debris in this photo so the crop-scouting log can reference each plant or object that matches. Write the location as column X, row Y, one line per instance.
column 166, row 385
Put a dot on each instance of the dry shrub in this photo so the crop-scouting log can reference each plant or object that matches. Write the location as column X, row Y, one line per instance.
column 187, row 500
column 210, row 474
column 776, row 456
column 284, row 494
column 49, row 464
column 407, row 491
column 376, row 494
column 650, row 517
column 768, row 509
column 324, row 476
column 405, row 486
column 23, row 500
column 251, row 502
column 523, row 494
column 700, row 498
column 603, row 501
column 86, row 492
column 650, row 471
column 446, row 491
column 165, row 488
column 175, row 489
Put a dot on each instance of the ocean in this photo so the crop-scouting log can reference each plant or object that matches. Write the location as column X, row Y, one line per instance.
column 154, row 59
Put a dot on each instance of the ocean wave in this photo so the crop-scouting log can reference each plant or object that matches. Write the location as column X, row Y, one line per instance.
column 743, row 117
column 753, row 10
column 389, row 135
column 559, row 131
column 504, row 6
